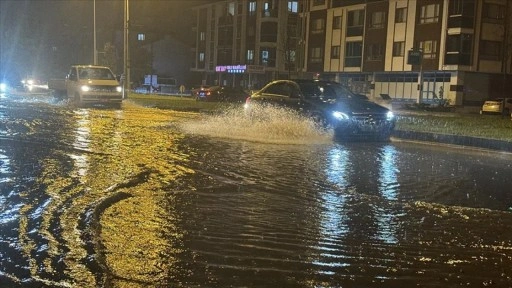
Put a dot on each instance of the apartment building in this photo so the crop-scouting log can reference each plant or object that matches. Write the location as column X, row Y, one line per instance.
column 410, row 50
column 248, row 42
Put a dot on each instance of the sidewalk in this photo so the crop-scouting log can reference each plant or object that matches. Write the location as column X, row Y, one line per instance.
column 459, row 140
column 463, row 141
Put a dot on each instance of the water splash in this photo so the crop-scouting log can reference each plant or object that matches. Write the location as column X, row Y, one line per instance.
column 266, row 124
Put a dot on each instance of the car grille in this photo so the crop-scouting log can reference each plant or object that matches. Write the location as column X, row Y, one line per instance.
column 371, row 123
column 369, row 118
column 103, row 88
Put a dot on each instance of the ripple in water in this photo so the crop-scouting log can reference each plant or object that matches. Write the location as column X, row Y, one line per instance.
column 266, row 124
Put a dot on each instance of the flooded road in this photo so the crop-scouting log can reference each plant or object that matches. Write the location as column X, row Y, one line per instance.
column 142, row 197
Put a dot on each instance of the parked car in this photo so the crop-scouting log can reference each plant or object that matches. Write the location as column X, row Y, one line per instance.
column 194, row 91
column 332, row 105
column 497, row 106
column 222, row 93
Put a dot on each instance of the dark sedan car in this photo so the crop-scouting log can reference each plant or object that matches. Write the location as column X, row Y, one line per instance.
column 332, row 104
column 222, row 93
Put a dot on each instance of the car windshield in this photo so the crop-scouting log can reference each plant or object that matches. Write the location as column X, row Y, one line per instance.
column 326, row 91
column 95, row 73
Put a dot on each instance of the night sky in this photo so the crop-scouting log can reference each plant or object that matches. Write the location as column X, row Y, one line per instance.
column 41, row 38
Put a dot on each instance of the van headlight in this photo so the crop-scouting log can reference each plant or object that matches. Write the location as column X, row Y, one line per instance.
column 119, row 89
column 339, row 115
column 85, row 88
column 390, row 116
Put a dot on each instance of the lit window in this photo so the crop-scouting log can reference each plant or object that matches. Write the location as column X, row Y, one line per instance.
column 293, row 6
column 202, row 36
column 252, row 7
column 231, row 9
column 268, row 56
column 429, row 49
column 141, row 36
column 201, row 57
column 250, row 55
column 264, row 56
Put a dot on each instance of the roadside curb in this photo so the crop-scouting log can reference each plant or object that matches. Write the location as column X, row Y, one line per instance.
column 474, row 142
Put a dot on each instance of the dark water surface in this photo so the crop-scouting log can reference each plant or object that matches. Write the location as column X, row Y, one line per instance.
column 142, row 197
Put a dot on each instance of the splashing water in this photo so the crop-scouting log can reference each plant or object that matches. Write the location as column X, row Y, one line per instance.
column 265, row 124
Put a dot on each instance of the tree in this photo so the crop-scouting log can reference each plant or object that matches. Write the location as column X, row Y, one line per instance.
column 109, row 58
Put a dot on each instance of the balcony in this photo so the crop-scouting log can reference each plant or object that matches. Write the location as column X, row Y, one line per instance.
column 355, row 31
column 459, row 21
column 457, row 59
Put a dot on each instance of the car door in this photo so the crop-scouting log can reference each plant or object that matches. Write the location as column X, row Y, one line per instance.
column 280, row 93
column 71, row 82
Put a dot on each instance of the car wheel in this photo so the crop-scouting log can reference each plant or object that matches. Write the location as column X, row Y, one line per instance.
column 320, row 120
column 77, row 100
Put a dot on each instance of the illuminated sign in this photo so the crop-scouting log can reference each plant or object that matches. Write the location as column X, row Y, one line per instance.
column 233, row 69
column 240, row 69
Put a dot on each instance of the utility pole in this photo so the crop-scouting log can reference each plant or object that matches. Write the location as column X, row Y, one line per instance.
column 126, row 49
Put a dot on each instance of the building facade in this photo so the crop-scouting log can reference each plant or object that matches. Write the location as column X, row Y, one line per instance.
column 410, row 50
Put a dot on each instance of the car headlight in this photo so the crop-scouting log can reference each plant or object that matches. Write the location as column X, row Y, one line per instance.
column 390, row 116
column 340, row 115
column 85, row 88
column 119, row 89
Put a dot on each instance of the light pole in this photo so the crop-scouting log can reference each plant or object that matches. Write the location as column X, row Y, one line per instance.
column 126, row 50
column 415, row 57
column 95, row 55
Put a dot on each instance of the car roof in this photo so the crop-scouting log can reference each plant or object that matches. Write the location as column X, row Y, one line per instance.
column 91, row 66
column 298, row 81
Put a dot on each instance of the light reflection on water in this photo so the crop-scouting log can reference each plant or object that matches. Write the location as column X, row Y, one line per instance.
column 374, row 209
column 228, row 202
column 4, row 166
